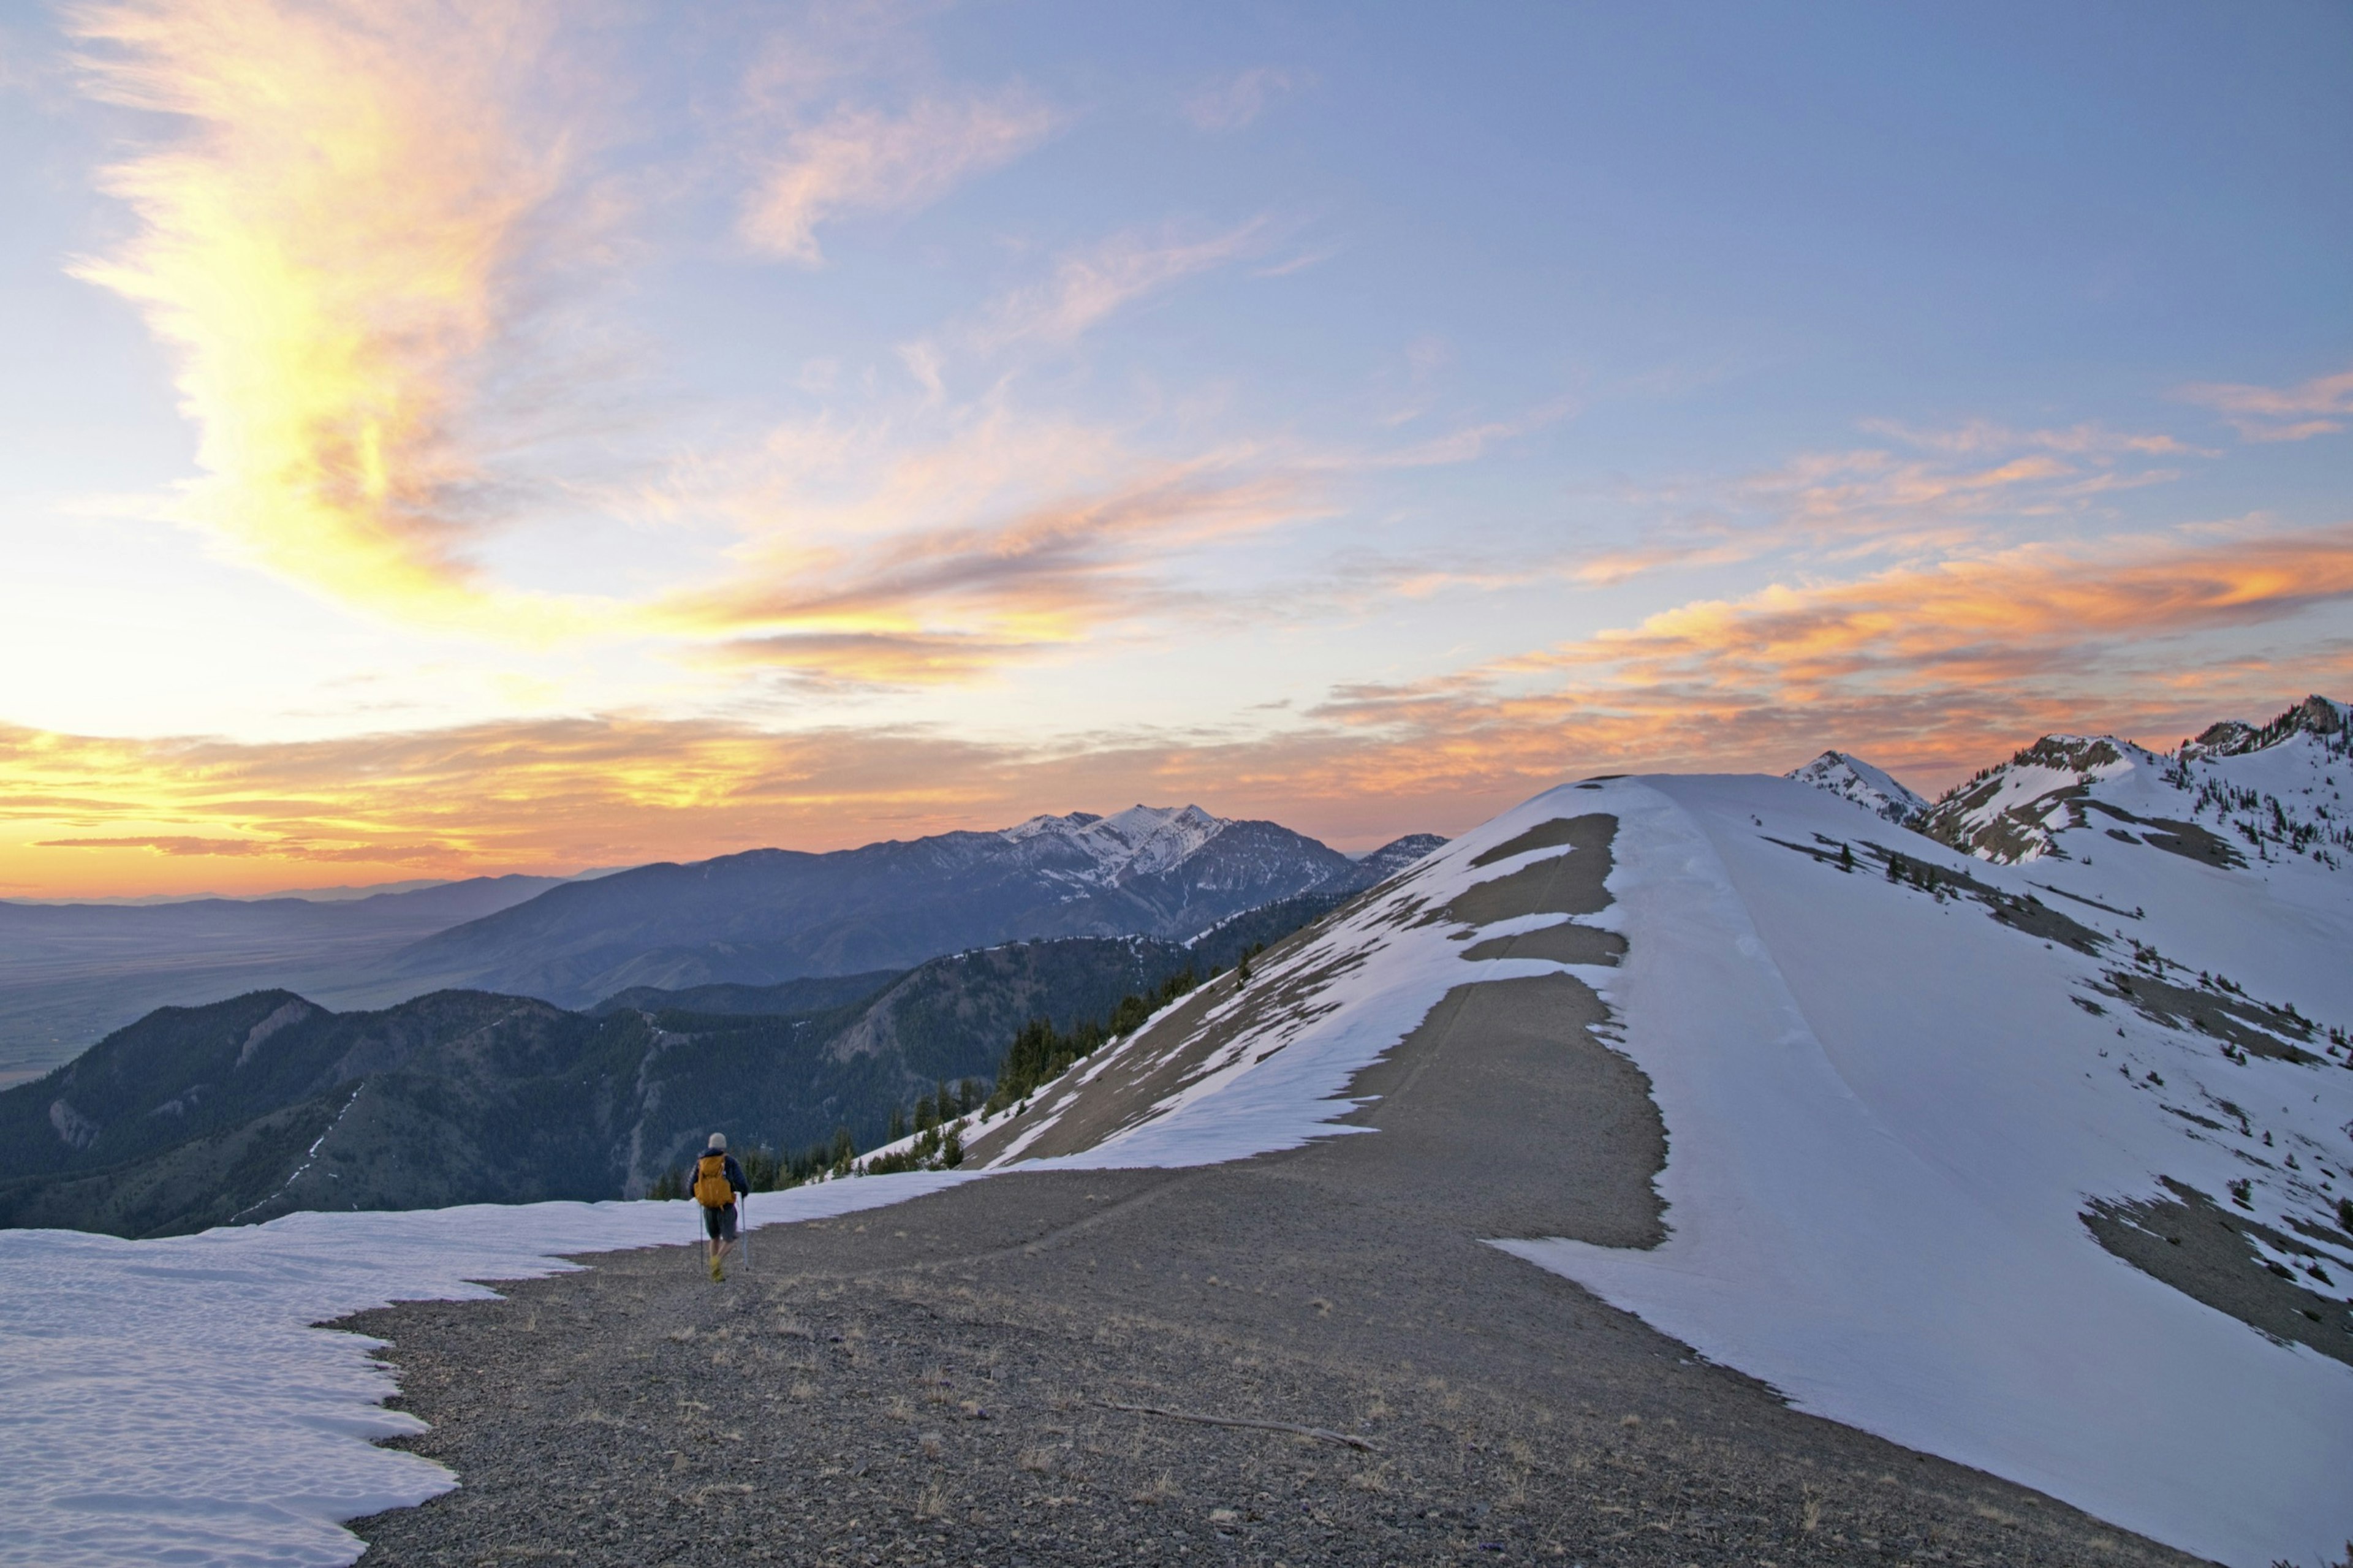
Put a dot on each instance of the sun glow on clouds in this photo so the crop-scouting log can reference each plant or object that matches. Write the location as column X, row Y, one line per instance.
column 1939, row 668
column 332, row 243
column 962, row 581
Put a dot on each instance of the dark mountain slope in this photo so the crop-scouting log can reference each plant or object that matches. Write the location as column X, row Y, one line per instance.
column 266, row 1103
column 816, row 993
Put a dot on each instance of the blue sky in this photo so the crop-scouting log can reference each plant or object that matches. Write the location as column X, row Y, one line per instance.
column 756, row 425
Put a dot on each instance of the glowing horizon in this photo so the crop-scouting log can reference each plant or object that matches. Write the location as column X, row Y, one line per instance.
column 471, row 437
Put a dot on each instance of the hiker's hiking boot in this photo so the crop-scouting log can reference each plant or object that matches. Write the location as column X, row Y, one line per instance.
column 717, row 1272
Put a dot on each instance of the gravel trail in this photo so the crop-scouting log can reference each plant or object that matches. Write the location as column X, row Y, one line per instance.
column 1016, row 1371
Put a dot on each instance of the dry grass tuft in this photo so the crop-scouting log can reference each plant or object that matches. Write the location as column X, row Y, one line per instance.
column 1160, row 1491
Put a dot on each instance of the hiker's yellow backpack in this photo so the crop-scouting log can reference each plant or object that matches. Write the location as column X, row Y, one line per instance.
column 711, row 1188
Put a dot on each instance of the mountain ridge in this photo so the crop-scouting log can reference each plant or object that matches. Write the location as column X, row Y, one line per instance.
column 1919, row 1100
column 767, row 915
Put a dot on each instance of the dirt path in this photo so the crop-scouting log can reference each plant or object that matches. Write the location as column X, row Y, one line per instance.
column 943, row 1381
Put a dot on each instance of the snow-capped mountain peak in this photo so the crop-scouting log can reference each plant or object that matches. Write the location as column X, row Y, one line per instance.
column 1140, row 841
column 1852, row 778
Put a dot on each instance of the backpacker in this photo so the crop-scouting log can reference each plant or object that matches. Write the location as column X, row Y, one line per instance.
column 712, row 1190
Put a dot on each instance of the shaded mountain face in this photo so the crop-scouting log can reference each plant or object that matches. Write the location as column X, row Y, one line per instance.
column 770, row 915
column 266, row 1103
column 789, row 998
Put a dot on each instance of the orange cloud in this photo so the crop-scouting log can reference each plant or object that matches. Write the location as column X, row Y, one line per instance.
column 1930, row 669
column 946, row 567
column 1998, row 617
column 332, row 243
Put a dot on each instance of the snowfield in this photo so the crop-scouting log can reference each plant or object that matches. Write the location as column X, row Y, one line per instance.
column 1885, row 1116
column 164, row 1400
column 1895, row 1077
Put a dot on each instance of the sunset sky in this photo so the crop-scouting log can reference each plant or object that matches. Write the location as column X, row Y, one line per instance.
column 439, row 438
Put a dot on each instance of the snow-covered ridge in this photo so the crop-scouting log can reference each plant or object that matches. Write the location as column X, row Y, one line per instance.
column 2236, row 791
column 1901, row 1083
column 1873, row 789
column 2315, row 716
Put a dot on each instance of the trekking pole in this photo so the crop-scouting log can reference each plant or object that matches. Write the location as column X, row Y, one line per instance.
column 743, row 1224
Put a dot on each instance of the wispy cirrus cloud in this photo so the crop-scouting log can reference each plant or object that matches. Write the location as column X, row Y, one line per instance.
column 1922, row 490
column 1232, row 102
column 1088, row 286
column 2316, row 407
column 338, row 237
column 860, row 159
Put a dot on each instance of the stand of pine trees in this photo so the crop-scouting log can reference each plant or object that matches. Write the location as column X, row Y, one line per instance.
column 769, row 1171
column 1041, row 1053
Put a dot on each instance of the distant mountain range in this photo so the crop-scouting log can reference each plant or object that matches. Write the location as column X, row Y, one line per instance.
column 782, row 995
column 69, row 973
column 254, row 1107
column 770, row 915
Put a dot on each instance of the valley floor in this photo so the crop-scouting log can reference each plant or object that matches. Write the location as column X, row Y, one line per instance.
column 940, row 1380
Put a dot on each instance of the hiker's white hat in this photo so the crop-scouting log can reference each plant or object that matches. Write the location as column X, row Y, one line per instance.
column 719, row 1139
